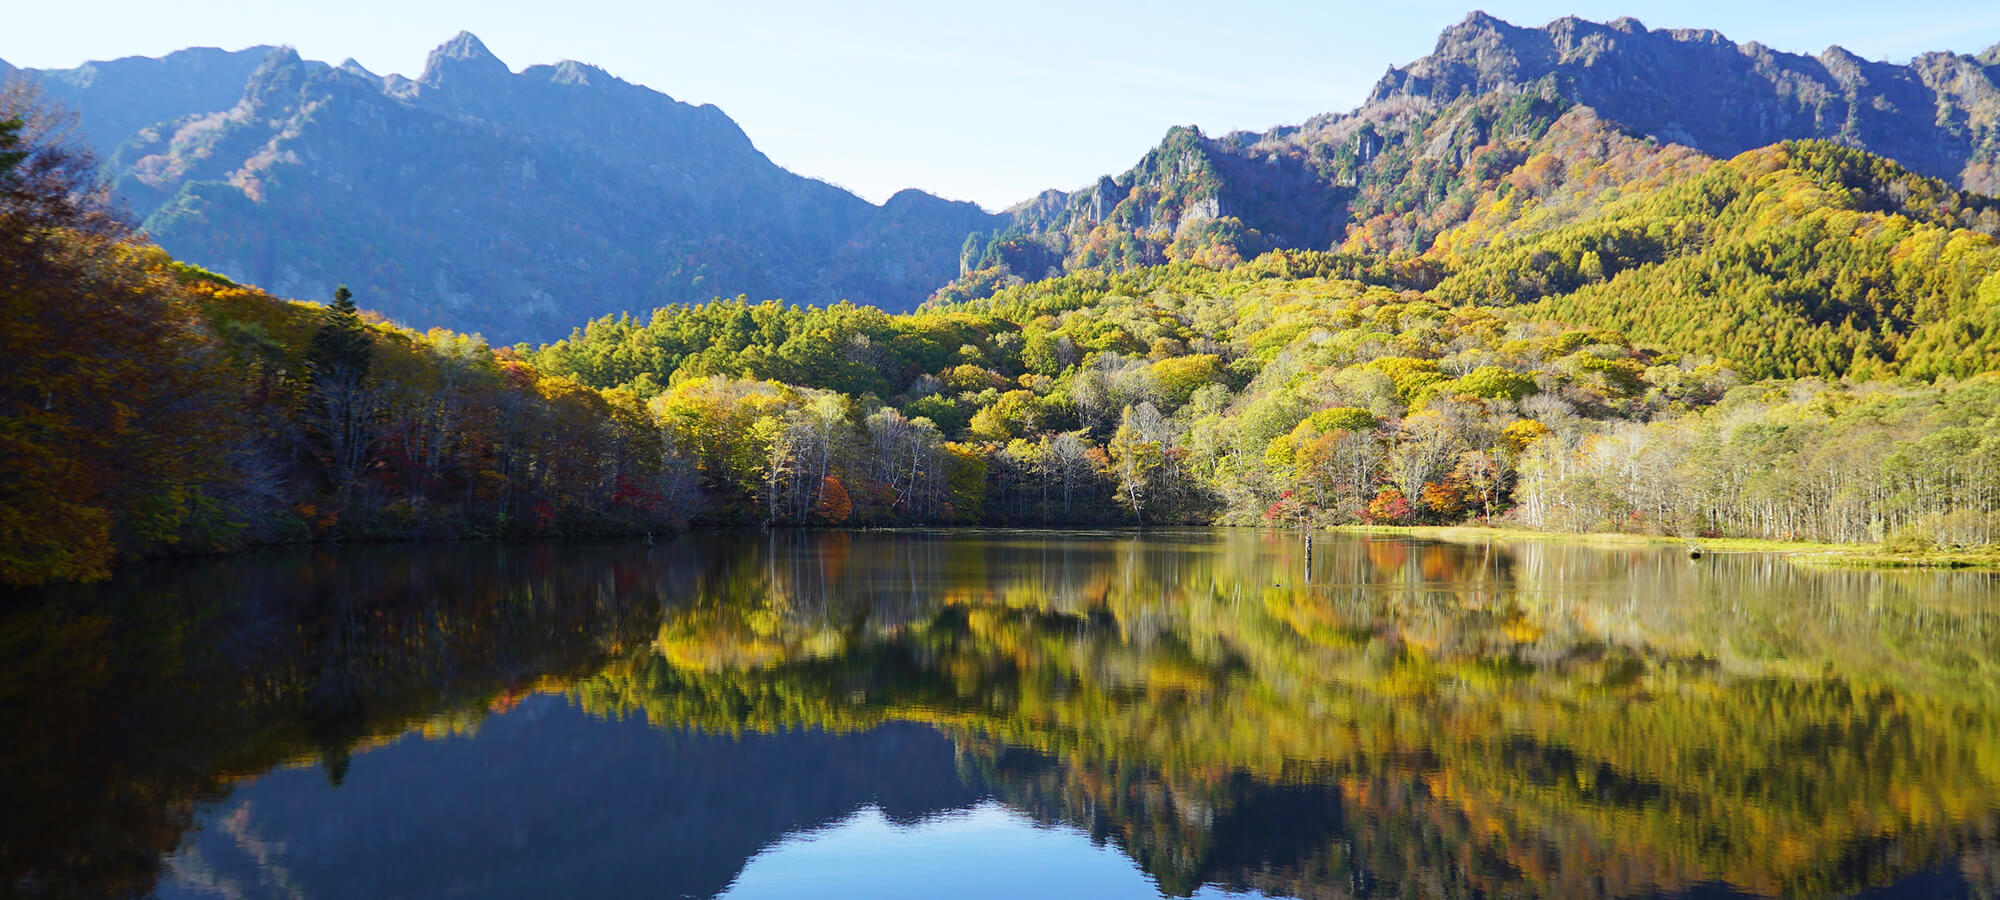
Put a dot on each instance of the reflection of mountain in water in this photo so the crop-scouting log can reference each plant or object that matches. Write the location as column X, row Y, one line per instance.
column 547, row 802
column 1534, row 720
column 1411, row 720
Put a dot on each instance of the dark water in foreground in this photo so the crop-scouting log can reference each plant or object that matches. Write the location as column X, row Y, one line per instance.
column 1003, row 714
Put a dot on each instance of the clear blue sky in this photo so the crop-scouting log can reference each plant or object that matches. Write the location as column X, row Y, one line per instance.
column 985, row 102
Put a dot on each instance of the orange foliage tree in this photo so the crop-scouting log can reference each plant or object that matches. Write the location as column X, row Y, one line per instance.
column 834, row 505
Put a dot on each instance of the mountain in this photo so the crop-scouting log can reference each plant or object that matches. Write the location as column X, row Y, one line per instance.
column 1580, row 326
column 126, row 95
column 1939, row 115
column 482, row 199
column 1408, row 164
column 519, row 203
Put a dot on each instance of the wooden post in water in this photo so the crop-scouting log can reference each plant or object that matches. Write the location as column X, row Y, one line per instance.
column 1309, row 554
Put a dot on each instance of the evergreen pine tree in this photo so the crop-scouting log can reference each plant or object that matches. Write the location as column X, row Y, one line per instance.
column 340, row 410
column 341, row 348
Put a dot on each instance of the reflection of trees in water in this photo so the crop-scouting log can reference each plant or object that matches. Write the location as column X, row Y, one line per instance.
column 1490, row 718
column 1405, row 718
column 1225, row 829
column 157, row 692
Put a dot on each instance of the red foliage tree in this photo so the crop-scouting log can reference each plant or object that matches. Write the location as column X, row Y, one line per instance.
column 1389, row 507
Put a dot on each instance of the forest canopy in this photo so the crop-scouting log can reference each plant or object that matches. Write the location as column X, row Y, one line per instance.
column 1795, row 344
column 1625, row 371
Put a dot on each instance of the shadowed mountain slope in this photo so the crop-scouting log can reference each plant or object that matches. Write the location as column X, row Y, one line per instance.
column 482, row 199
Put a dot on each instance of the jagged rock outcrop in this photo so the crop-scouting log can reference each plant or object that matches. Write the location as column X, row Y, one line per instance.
column 1408, row 163
column 1939, row 115
column 520, row 203
column 473, row 197
column 126, row 95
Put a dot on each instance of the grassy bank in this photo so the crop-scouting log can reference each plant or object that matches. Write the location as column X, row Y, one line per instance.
column 1876, row 558
column 1806, row 552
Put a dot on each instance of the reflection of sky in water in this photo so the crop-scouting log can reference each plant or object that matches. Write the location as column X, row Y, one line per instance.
column 545, row 800
column 986, row 851
column 962, row 716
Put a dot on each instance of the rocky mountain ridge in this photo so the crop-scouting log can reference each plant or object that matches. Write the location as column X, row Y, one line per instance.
column 1939, row 115
column 1409, row 162
column 478, row 198
column 521, row 203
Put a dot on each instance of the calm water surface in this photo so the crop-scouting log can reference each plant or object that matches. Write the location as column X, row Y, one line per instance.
column 1003, row 714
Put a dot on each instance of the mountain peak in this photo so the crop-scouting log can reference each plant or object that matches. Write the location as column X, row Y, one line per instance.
column 1473, row 27
column 571, row 72
column 464, row 53
column 280, row 74
column 280, row 56
column 463, row 45
column 912, row 199
column 1481, row 36
column 281, row 64
column 1991, row 57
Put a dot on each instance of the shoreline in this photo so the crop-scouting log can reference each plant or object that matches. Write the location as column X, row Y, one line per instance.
column 1813, row 553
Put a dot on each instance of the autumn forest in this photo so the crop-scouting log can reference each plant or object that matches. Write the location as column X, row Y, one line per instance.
column 1572, row 472
column 1794, row 344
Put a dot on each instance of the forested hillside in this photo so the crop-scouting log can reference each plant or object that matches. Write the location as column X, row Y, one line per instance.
column 148, row 406
column 1802, row 259
column 1599, row 372
column 1602, row 334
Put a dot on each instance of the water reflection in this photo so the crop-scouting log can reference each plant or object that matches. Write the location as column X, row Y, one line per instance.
column 1406, row 719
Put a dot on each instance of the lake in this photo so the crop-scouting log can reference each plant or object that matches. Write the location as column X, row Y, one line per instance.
column 1003, row 714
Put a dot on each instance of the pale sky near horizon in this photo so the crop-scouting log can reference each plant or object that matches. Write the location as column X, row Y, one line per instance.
column 989, row 104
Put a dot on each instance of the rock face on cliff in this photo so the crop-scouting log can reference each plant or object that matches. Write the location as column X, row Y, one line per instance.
column 520, row 203
column 1411, row 160
column 126, row 95
column 1939, row 115
column 482, row 199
